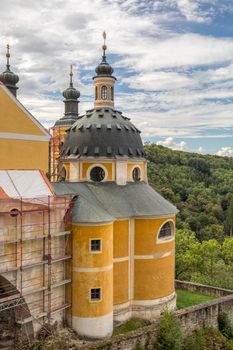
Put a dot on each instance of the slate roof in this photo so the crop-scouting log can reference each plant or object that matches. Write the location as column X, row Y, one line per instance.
column 107, row 201
column 103, row 132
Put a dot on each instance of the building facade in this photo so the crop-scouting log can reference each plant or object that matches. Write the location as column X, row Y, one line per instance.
column 122, row 230
column 24, row 142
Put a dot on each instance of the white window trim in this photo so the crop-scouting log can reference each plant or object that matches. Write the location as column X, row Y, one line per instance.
column 95, row 300
column 97, row 165
column 166, row 239
column 95, row 251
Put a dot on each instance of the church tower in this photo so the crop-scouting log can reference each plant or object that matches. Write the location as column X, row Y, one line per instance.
column 71, row 96
column 122, row 230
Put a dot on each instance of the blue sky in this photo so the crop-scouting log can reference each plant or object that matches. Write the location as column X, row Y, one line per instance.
column 173, row 60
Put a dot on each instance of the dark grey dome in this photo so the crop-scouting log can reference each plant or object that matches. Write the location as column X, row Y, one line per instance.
column 104, row 68
column 71, row 93
column 103, row 132
column 9, row 78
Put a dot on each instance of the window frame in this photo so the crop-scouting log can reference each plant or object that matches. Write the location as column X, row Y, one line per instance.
column 140, row 173
column 104, row 92
column 112, row 93
column 93, row 166
column 166, row 239
column 90, row 246
column 95, row 300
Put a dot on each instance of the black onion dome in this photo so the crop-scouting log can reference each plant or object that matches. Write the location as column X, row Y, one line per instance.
column 103, row 132
column 104, row 68
column 9, row 78
column 71, row 93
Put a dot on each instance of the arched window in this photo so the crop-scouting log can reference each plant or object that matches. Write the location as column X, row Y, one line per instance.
column 112, row 93
column 104, row 92
column 63, row 174
column 97, row 174
column 96, row 93
column 166, row 230
column 136, row 174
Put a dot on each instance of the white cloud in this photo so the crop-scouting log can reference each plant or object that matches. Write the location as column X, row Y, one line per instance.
column 170, row 143
column 225, row 152
column 172, row 82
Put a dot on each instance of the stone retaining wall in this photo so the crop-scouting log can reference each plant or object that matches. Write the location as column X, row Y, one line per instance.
column 191, row 319
column 203, row 289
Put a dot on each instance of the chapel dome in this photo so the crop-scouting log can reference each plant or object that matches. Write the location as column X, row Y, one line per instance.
column 103, row 132
column 9, row 78
column 104, row 68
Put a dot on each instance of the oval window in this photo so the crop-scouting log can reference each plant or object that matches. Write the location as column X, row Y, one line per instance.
column 97, row 174
column 104, row 92
column 166, row 230
column 14, row 212
column 136, row 174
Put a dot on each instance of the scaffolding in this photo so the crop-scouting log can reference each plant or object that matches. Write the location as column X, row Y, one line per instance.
column 35, row 260
column 55, row 146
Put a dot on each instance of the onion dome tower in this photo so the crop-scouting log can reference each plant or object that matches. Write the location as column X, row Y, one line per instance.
column 71, row 102
column 104, row 135
column 71, row 96
column 8, row 78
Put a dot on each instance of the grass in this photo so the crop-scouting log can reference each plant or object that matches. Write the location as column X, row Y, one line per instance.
column 130, row 325
column 186, row 298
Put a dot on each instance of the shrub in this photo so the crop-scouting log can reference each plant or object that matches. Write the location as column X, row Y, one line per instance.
column 169, row 336
column 225, row 326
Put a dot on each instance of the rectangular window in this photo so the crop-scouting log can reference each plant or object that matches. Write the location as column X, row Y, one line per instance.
column 95, row 245
column 95, row 294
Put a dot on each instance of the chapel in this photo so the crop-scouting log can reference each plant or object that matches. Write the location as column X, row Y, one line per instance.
column 123, row 231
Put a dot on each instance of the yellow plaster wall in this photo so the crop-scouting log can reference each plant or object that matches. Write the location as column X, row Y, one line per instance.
column 82, row 282
column 154, row 276
column 82, row 257
column 86, row 166
column 121, row 238
column 13, row 119
column 24, row 154
column 146, row 231
column 120, row 282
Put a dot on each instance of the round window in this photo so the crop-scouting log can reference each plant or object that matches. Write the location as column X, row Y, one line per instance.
column 136, row 174
column 97, row 174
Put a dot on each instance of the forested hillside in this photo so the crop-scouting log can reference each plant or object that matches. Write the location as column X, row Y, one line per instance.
column 202, row 189
column 201, row 186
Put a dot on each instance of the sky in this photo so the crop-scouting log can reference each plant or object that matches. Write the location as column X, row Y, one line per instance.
column 173, row 60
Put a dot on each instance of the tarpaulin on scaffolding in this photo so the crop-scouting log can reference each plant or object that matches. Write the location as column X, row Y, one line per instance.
column 24, row 184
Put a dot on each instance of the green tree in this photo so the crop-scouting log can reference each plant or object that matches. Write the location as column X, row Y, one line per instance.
column 169, row 336
column 229, row 216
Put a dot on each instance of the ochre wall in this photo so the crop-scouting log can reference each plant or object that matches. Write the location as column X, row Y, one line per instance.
column 121, row 268
column 18, row 153
column 24, row 154
column 92, row 270
column 13, row 118
column 154, row 262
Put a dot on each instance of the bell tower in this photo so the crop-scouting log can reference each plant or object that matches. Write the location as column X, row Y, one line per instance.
column 104, row 82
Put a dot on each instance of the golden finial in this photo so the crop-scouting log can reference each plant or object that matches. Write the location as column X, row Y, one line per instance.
column 8, row 56
column 104, row 46
column 71, row 75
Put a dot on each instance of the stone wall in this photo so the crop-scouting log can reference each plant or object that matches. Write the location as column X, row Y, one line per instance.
column 191, row 318
column 203, row 289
